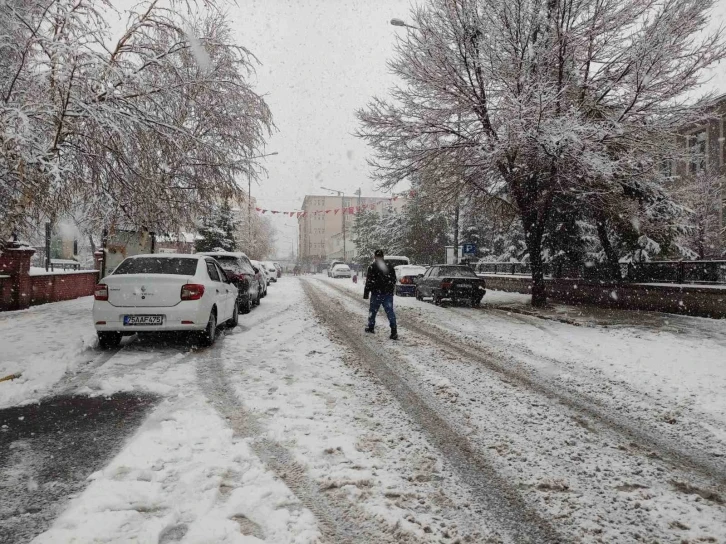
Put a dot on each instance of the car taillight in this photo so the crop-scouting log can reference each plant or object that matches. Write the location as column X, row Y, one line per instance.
column 192, row 291
column 406, row 279
column 101, row 292
column 446, row 284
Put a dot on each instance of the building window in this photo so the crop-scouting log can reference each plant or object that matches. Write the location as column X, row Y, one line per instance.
column 697, row 152
column 75, row 247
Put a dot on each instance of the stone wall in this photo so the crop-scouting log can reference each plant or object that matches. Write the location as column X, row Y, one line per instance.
column 697, row 300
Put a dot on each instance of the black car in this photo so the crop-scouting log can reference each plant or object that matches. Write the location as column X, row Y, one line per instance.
column 454, row 282
column 242, row 275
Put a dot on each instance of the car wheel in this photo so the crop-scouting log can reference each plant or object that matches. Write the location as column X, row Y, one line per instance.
column 209, row 334
column 234, row 320
column 417, row 294
column 437, row 299
column 259, row 298
column 108, row 339
column 246, row 305
column 475, row 303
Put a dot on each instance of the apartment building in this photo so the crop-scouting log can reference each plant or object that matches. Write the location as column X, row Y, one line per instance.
column 706, row 151
column 326, row 236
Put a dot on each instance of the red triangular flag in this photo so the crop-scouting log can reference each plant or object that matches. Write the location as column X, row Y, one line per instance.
column 336, row 211
column 263, row 211
column 258, row 209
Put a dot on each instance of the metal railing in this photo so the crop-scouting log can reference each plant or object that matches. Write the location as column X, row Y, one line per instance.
column 703, row 272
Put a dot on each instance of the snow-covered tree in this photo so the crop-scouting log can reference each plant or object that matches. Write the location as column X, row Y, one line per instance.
column 218, row 230
column 542, row 100
column 146, row 127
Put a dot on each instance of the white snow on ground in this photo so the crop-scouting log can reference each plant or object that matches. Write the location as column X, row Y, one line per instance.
column 43, row 343
column 185, row 474
column 675, row 357
column 591, row 479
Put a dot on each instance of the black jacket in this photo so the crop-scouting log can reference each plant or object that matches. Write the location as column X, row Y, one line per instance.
column 379, row 282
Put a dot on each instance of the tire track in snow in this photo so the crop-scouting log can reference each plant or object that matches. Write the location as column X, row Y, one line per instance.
column 698, row 464
column 520, row 521
column 338, row 523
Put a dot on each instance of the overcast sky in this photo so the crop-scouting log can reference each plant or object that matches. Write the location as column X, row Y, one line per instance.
column 321, row 60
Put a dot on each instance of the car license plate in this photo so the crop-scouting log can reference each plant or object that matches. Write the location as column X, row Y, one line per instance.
column 143, row 319
column 465, row 286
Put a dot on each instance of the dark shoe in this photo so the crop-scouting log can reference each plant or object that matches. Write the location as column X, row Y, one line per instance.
column 370, row 330
column 394, row 333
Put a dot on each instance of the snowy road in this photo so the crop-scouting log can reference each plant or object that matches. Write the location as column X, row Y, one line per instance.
column 477, row 426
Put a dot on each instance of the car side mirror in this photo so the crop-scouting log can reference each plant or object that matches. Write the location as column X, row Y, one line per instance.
column 257, row 270
column 419, row 276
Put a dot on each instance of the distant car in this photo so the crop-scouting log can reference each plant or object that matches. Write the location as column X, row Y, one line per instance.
column 279, row 269
column 164, row 292
column 341, row 271
column 271, row 271
column 406, row 275
column 454, row 282
column 332, row 265
column 240, row 272
column 264, row 278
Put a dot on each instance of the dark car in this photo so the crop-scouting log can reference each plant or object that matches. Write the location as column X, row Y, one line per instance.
column 454, row 282
column 242, row 275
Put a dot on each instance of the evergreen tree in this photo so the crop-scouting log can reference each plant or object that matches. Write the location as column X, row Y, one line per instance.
column 218, row 230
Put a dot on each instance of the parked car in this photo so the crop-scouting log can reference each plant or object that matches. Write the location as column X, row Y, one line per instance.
column 240, row 272
column 341, row 271
column 164, row 292
column 396, row 260
column 406, row 275
column 332, row 265
column 271, row 271
column 455, row 282
column 279, row 269
column 264, row 280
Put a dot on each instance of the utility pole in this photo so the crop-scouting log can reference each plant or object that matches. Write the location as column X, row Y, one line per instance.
column 341, row 194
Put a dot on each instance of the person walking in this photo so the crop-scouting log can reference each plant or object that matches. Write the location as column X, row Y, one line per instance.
column 380, row 283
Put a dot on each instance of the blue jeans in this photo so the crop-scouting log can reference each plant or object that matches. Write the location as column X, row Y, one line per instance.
column 378, row 300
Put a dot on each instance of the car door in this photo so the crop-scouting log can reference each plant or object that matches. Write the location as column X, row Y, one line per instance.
column 254, row 287
column 431, row 280
column 230, row 290
column 220, row 292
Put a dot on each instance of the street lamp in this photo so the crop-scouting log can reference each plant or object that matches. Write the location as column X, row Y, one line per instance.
column 341, row 194
column 401, row 22
column 249, row 198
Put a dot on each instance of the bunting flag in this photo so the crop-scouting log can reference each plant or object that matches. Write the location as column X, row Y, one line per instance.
column 349, row 210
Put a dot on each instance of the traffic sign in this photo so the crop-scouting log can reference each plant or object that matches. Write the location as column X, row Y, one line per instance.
column 468, row 249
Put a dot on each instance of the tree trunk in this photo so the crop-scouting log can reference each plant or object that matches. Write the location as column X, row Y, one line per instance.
column 539, row 291
column 613, row 263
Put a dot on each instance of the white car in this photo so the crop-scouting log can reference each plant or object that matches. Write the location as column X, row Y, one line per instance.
column 333, row 264
column 271, row 270
column 164, row 292
column 264, row 272
column 341, row 271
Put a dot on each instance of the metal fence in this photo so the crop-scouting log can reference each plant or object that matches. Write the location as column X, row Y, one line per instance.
column 705, row 272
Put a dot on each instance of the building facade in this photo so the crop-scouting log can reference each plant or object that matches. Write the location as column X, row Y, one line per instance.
column 325, row 235
column 706, row 154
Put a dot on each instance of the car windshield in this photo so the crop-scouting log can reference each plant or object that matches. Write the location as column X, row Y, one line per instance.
column 158, row 265
column 457, row 272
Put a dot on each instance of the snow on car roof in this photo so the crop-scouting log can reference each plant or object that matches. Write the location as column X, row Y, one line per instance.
column 196, row 256
column 236, row 254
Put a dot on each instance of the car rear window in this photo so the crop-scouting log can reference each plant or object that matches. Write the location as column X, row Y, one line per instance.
column 158, row 265
column 457, row 272
column 234, row 264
